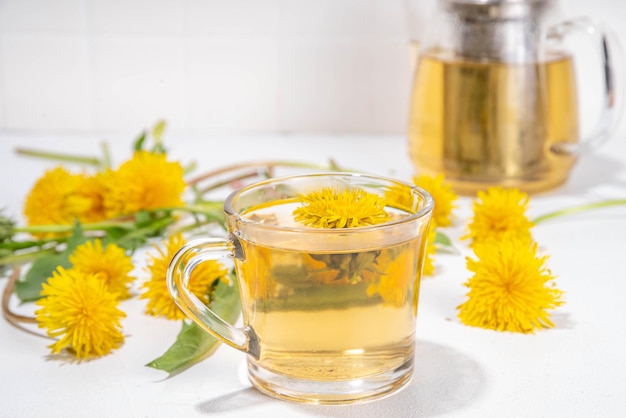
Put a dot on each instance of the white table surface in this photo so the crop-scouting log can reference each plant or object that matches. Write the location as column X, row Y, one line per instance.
column 577, row 369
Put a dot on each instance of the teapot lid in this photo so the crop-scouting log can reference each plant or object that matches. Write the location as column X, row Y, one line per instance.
column 500, row 30
column 493, row 10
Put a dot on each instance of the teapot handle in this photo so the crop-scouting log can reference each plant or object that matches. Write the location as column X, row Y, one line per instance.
column 609, row 117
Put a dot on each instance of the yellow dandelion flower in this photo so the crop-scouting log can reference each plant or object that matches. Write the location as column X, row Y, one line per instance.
column 50, row 201
column 331, row 208
column 428, row 268
column 146, row 181
column 81, row 312
column 109, row 264
column 60, row 197
column 92, row 194
column 160, row 302
column 442, row 194
column 499, row 212
column 511, row 289
column 400, row 198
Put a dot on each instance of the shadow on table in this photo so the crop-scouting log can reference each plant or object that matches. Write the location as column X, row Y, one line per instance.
column 239, row 400
column 445, row 380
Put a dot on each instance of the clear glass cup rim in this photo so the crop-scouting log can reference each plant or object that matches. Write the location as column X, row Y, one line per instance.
column 425, row 209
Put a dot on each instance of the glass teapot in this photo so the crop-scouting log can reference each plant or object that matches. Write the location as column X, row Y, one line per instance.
column 494, row 98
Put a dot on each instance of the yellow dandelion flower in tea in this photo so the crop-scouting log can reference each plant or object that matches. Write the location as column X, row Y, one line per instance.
column 350, row 208
column 50, row 201
column 146, row 181
column 160, row 302
column 499, row 212
column 398, row 274
column 256, row 272
column 110, row 264
column 443, row 195
column 80, row 311
column 319, row 271
column 511, row 289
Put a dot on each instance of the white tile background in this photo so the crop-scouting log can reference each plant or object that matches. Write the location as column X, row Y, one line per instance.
column 116, row 66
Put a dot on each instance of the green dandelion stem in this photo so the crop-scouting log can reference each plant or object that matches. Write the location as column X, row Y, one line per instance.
column 213, row 210
column 106, row 156
column 219, row 184
column 577, row 209
column 147, row 230
column 14, row 318
column 24, row 257
column 209, row 209
column 60, row 157
column 193, row 227
column 21, row 245
column 96, row 226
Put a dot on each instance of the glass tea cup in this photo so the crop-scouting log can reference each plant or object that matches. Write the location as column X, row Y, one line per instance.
column 328, row 313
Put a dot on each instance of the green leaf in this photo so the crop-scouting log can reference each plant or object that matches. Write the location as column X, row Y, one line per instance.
column 157, row 134
column 139, row 141
column 143, row 218
column 442, row 239
column 445, row 244
column 157, row 131
column 114, row 235
column 29, row 288
column 193, row 344
column 190, row 167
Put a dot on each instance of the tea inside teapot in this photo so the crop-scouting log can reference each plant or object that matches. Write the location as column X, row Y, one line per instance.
column 493, row 96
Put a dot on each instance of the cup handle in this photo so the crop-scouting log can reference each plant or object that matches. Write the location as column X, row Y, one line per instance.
column 609, row 116
column 177, row 277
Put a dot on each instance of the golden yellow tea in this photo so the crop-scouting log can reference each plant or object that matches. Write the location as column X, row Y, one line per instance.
column 354, row 310
column 487, row 123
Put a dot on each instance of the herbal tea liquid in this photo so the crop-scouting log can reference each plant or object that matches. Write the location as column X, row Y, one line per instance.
column 340, row 303
column 487, row 123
